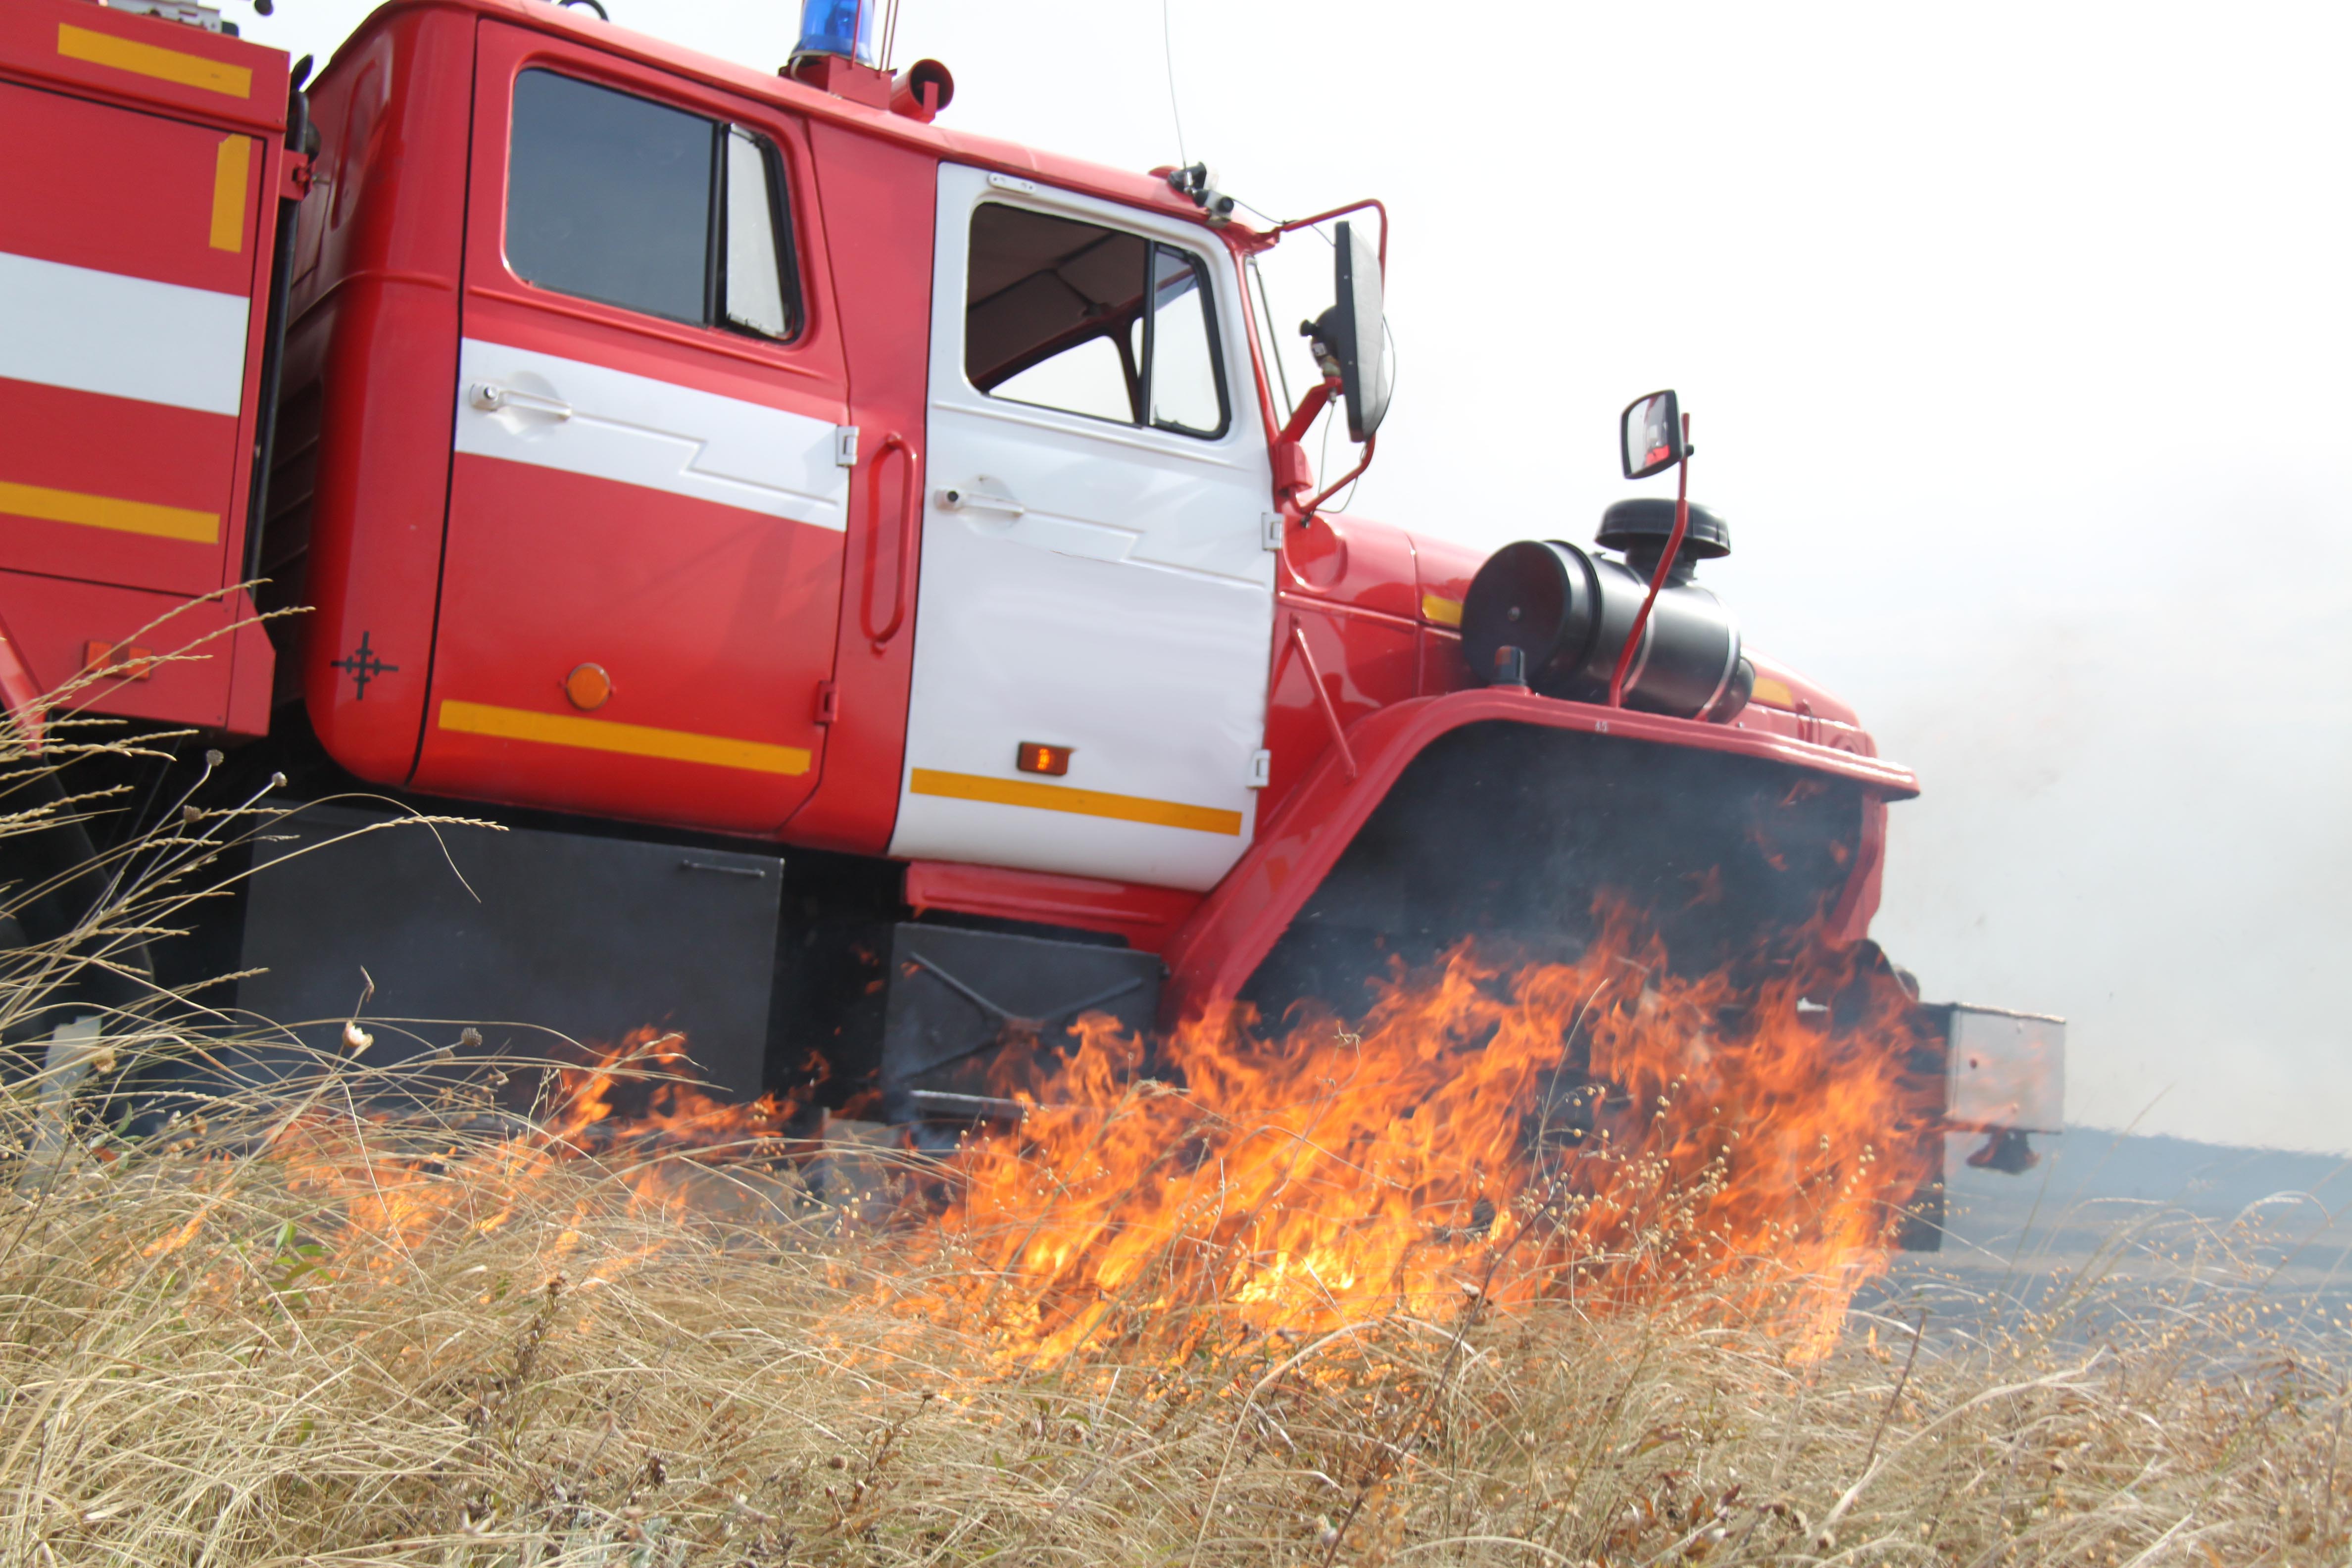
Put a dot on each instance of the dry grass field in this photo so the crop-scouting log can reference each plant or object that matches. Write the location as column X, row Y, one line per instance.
column 402, row 1316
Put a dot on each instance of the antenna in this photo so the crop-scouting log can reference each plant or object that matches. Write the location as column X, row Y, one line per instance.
column 1167, row 55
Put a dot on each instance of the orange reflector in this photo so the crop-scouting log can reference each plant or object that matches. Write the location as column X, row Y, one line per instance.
column 1054, row 760
column 588, row 687
column 118, row 661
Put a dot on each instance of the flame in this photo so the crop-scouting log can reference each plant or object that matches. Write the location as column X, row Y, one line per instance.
column 1487, row 1135
column 636, row 1107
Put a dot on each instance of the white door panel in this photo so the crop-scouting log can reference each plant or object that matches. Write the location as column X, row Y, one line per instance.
column 1089, row 584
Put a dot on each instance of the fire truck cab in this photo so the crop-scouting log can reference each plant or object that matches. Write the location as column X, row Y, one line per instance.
column 868, row 567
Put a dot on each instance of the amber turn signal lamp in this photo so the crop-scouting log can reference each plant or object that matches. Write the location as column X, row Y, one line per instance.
column 588, row 687
column 1037, row 759
column 118, row 661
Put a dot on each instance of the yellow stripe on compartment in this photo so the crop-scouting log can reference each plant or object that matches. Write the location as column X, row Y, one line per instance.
column 229, row 172
column 1445, row 612
column 629, row 740
column 106, row 511
column 147, row 59
column 1078, row 802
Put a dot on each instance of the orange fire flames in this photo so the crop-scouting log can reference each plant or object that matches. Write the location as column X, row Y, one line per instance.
column 1589, row 1130
column 1598, row 1131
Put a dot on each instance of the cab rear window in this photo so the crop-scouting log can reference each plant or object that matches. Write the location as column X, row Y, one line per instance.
column 616, row 198
column 1070, row 315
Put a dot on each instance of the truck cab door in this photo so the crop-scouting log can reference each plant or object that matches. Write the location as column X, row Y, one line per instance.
column 1097, row 597
column 641, row 568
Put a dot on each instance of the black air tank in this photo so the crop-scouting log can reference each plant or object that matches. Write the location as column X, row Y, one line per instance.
column 1569, row 611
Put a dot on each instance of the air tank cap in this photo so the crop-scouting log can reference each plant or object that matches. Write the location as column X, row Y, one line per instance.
column 1642, row 525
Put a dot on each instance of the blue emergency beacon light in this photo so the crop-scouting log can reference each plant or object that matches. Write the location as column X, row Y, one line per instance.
column 844, row 27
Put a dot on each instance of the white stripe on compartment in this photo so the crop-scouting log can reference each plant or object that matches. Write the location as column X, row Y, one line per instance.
column 610, row 424
column 121, row 336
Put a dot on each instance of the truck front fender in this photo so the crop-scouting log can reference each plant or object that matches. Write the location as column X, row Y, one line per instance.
column 1213, row 954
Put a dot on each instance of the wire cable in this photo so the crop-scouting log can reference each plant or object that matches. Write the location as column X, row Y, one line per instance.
column 1168, row 56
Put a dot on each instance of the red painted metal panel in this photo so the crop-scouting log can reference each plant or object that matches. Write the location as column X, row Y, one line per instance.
column 880, row 202
column 1146, row 916
column 1444, row 570
column 372, row 348
column 714, row 622
column 1355, row 561
column 705, row 617
column 193, row 73
column 1443, row 667
column 1361, row 662
column 19, row 691
column 148, row 215
column 84, row 443
column 158, row 161
column 1785, row 703
column 198, row 646
column 1215, row 953
column 930, row 142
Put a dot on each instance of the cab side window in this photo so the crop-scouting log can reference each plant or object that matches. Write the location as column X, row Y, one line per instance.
column 1072, row 316
column 619, row 199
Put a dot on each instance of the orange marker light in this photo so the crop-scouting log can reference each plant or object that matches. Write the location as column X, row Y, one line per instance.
column 1035, row 758
column 588, row 687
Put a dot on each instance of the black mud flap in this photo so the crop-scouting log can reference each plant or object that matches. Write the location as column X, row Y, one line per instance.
column 961, row 1006
column 528, row 937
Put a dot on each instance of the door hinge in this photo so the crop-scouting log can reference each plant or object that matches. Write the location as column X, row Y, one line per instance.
column 1261, row 768
column 844, row 445
column 828, row 701
column 1271, row 524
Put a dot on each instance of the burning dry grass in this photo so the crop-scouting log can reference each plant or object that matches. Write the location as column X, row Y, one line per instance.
column 375, row 1316
column 214, row 1353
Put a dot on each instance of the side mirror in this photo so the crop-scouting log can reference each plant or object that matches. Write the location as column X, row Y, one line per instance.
column 1352, row 334
column 1650, row 435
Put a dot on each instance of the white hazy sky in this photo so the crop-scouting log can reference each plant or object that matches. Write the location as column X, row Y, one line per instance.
column 2015, row 340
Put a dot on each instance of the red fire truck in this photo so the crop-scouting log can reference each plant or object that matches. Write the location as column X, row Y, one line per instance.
column 875, row 572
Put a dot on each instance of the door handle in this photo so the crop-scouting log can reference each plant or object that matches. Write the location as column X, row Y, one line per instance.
column 966, row 498
column 910, row 516
column 489, row 397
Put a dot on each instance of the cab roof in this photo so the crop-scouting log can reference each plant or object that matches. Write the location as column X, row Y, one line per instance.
column 1133, row 189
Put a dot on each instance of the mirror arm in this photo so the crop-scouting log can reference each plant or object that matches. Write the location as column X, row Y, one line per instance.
column 1307, row 512
column 1658, row 575
column 1371, row 202
column 1313, row 404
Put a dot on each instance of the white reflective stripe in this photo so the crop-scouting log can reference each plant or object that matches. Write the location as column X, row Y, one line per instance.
column 639, row 431
column 124, row 337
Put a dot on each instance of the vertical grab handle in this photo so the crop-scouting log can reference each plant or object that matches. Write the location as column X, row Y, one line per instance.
column 910, row 516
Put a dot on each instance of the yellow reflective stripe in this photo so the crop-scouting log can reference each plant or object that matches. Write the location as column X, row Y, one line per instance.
column 146, row 59
column 1445, row 612
column 106, row 511
column 1080, row 802
column 228, row 192
column 629, row 740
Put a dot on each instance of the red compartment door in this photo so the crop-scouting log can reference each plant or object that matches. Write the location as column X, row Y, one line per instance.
column 128, row 249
